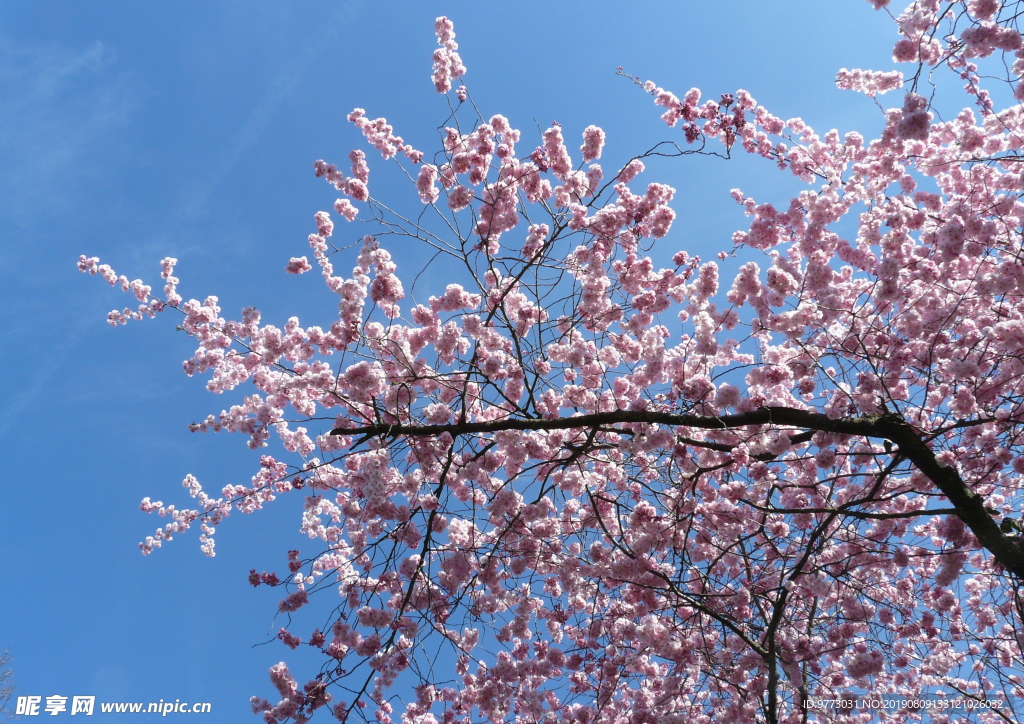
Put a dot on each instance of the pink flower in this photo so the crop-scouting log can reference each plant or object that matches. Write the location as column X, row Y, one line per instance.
column 459, row 197
column 557, row 154
column 298, row 265
column 292, row 642
column 324, row 225
column 905, row 51
column 631, row 170
column 447, row 63
column 360, row 170
column 914, row 123
column 357, row 189
column 375, row 617
column 868, row 663
column 346, row 209
column 869, row 82
column 535, row 240
column 425, row 184
column 593, row 142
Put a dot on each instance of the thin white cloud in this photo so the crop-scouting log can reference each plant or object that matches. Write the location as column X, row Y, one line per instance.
column 60, row 111
column 259, row 119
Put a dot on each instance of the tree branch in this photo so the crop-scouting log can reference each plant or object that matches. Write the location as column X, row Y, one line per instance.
column 969, row 505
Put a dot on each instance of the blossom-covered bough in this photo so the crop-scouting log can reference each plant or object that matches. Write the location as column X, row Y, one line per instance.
column 580, row 488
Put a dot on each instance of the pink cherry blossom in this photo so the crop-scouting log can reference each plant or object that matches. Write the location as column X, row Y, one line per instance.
column 612, row 482
column 346, row 209
column 593, row 142
column 447, row 63
column 298, row 265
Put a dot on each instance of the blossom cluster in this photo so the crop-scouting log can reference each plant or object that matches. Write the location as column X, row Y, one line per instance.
column 447, row 63
column 611, row 489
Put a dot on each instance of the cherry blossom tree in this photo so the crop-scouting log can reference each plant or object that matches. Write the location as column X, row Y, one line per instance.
column 576, row 487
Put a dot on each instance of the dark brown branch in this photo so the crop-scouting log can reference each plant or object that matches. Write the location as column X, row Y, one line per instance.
column 807, row 419
column 849, row 513
column 969, row 505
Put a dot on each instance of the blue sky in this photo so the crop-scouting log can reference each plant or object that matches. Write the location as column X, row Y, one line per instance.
column 135, row 131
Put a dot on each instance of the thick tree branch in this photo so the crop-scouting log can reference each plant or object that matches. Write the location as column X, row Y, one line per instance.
column 969, row 505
